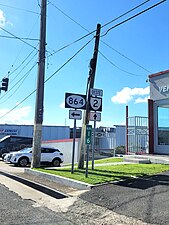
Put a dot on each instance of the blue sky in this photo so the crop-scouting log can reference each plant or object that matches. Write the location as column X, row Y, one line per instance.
column 143, row 40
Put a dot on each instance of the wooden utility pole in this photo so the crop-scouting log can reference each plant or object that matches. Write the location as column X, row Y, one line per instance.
column 37, row 136
column 90, row 84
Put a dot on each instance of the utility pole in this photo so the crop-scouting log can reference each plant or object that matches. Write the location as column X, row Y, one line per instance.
column 90, row 84
column 37, row 136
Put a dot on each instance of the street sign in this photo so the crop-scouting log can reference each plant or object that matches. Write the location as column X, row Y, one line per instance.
column 95, row 104
column 95, row 116
column 96, row 92
column 88, row 134
column 75, row 114
column 76, row 101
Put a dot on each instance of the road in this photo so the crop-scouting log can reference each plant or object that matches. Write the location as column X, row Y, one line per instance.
column 15, row 210
column 146, row 199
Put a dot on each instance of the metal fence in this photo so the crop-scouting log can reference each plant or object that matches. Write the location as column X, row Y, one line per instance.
column 137, row 134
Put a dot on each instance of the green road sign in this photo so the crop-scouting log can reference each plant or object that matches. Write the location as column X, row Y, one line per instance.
column 88, row 134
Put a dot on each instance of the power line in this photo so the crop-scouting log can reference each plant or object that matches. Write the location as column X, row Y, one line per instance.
column 61, row 67
column 124, row 14
column 126, row 57
column 17, row 38
column 69, row 16
column 101, row 27
column 19, row 79
column 133, row 74
column 25, row 10
column 132, row 17
column 22, row 79
column 68, row 60
column 10, row 73
column 23, row 38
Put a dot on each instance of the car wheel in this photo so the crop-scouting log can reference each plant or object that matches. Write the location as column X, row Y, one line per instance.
column 23, row 162
column 56, row 162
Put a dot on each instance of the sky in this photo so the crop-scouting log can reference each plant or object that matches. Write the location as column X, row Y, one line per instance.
column 128, row 53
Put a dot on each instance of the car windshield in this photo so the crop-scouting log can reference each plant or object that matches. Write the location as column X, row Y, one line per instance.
column 26, row 150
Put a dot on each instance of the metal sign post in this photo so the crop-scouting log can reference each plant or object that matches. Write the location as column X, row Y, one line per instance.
column 73, row 151
column 76, row 115
column 94, row 116
column 93, row 145
column 88, row 142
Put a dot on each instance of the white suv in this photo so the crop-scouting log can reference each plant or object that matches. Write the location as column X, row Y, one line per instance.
column 24, row 157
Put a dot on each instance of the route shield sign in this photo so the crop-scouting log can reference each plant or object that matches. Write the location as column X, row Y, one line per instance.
column 95, row 104
column 76, row 101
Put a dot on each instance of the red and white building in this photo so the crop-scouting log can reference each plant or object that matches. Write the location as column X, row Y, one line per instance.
column 158, row 113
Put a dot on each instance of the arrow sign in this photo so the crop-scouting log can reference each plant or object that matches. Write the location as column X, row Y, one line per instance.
column 95, row 116
column 75, row 114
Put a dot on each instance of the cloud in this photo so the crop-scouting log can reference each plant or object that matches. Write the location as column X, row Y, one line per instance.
column 142, row 100
column 2, row 18
column 17, row 116
column 127, row 94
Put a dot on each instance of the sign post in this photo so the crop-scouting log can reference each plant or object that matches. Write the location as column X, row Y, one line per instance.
column 88, row 142
column 73, row 151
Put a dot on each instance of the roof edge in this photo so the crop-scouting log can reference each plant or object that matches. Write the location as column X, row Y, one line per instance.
column 158, row 74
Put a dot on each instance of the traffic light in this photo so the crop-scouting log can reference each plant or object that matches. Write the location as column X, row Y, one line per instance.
column 5, row 82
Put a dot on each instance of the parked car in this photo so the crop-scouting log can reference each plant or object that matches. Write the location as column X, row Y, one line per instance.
column 23, row 157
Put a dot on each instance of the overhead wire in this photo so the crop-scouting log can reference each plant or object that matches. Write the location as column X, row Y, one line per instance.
column 22, row 79
column 23, row 38
column 133, row 74
column 136, row 7
column 19, row 79
column 126, row 57
column 61, row 67
column 132, row 17
column 17, row 37
column 25, row 10
column 10, row 73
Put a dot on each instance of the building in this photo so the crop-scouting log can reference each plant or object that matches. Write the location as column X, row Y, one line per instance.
column 48, row 132
column 158, row 113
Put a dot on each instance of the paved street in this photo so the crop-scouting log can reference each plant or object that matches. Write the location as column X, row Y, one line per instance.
column 17, row 211
column 146, row 199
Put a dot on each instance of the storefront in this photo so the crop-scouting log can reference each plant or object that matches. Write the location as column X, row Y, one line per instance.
column 158, row 110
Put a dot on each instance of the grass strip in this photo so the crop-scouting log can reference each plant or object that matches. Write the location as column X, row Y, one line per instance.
column 108, row 173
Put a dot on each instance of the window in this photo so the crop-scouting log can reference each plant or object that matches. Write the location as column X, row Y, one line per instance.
column 163, row 125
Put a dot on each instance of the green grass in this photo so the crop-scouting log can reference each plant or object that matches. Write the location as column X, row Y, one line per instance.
column 108, row 173
column 101, row 161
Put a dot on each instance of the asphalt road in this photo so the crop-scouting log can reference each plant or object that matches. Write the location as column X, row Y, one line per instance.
column 16, row 211
column 146, row 199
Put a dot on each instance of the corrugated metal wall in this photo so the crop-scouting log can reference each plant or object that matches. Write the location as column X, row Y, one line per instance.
column 48, row 132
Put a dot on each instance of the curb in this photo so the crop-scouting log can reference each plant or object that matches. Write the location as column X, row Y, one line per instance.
column 61, row 180
column 42, row 188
